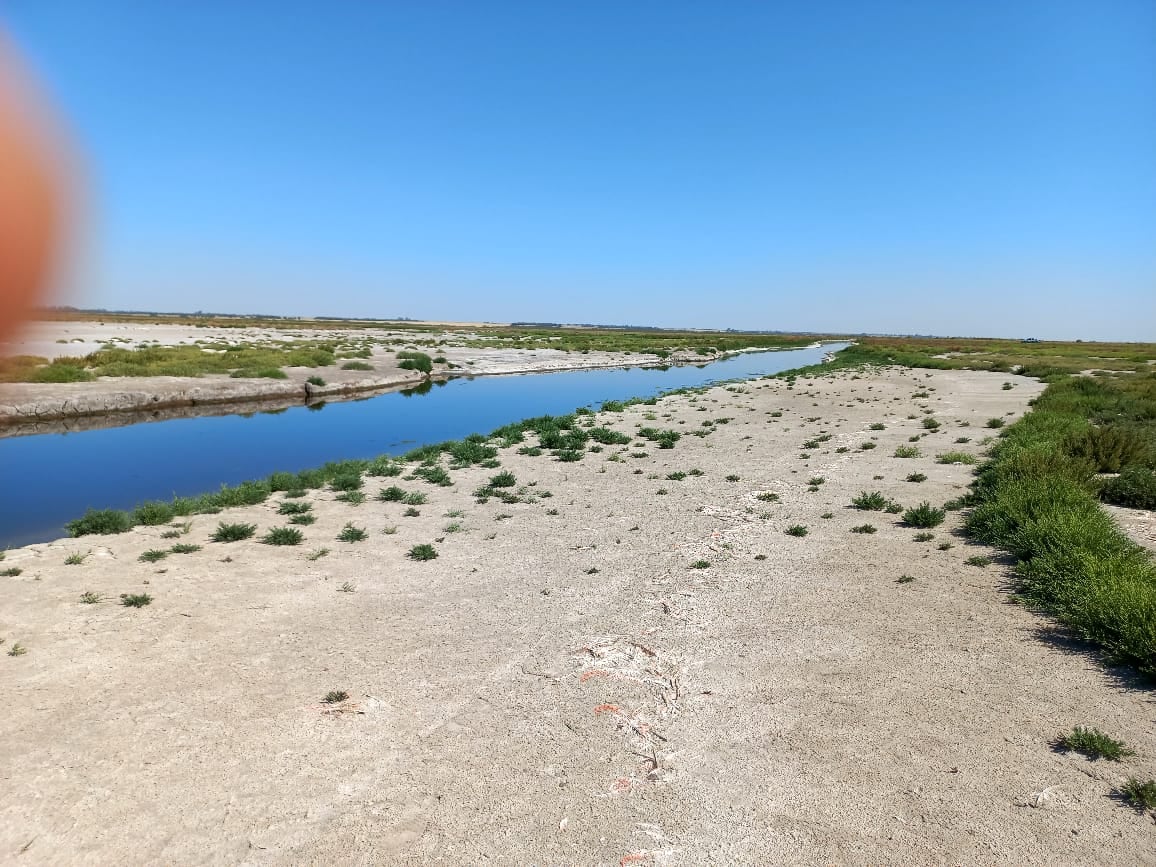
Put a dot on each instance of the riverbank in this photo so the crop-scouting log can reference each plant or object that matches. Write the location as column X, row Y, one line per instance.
column 642, row 667
column 372, row 365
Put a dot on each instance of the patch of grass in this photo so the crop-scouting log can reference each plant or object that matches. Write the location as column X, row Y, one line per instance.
column 422, row 552
column 358, row 365
column 733, row 478
column 700, row 564
column 390, row 531
column 17, row 649
column 315, row 380
column 153, row 555
column 1140, row 796
column 336, row 696
column 963, row 439
column 90, row 598
column 11, row 572
column 102, row 522
column 870, row 502
column 184, row 548
column 353, row 498
column 767, row 497
column 945, row 546
column 866, row 446
column 316, row 554
column 435, row 475
column 930, row 424
column 233, row 532
column 283, row 536
column 135, row 600
column 411, row 512
column 346, row 587
column 816, row 481
column 924, row 516
column 346, row 482
column 796, row 530
column 865, row 528
column 994, row 423
column 908, row 452
column 1092, row 743
column 392, row 494
column 878, row 426
column 290, row 508
column 350, row 533
column 677, row 476
column 916, row 477
column 75, row 558
column 978, row 560
column 904, row 579
column 955, row 458
column 503, row 480
column 827, row 515
column 303, row 520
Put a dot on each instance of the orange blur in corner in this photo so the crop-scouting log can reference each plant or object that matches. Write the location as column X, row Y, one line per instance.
column 33, row 196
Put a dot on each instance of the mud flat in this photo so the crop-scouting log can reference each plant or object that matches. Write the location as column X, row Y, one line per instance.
column 642, row 667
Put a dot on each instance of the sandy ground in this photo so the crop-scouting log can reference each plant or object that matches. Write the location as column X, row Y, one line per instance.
column 561, row 686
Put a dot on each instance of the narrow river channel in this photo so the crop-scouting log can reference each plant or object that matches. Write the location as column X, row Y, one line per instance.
column 48, row 479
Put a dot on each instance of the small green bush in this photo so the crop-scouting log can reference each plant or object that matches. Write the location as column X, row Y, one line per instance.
column 995, row 422
column 422, row 552
column 135, row 600
column 283, row 536
column 796, row 530
column 924, row 516
column 864, row 528
column 907, row 452
column 916, row 477
column 233, row 532
column 1093, row 743
column 870, row 502
column 350, row 533
column 1141, row 796
column 955, row 458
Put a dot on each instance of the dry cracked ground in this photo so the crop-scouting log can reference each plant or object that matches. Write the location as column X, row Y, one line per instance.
column 634, row 670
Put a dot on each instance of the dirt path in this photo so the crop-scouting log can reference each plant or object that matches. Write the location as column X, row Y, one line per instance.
column 562, row 685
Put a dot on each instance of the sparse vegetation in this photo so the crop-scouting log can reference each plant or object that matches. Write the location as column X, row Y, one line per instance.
column 864, row 528
column 233, row 532
column 907, row 452
column 1092, row 743
column 283, row 536
column 422, row 552
column 955, row 458
column 135, row 600
column 924, row 516
column 870, row 502
column 796, row 530
column 350, row 533
column 916, row 477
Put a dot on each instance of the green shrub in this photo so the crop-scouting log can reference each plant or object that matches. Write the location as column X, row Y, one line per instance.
column 1141, row 796
column 350, row 533
column 422, row 552
column 359, row 365
column 924, row 516
column 864, row 528
column 916, row 477
column 796, row 530
column 870, row 502
column 907, row 452
column 103, row 522
column 283, row 536
column 135, row 600
column 503, row 480
column 955, row 458
column 995, row 422
column 1108, row 448
column 152, row 514
column 1092, row 743
column 1135, row 488
column 233, row 532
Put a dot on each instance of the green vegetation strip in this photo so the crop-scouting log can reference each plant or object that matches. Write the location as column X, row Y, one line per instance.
column 1037, row 499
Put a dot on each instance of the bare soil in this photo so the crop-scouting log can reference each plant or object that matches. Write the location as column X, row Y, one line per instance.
column 561, row 685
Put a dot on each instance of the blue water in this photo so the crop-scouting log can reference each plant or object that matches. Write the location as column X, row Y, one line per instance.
column 50, row 479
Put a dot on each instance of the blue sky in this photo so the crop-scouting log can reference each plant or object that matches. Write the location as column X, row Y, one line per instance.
column 981, row 168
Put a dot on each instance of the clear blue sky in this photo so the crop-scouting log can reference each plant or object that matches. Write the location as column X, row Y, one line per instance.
column 978, row 168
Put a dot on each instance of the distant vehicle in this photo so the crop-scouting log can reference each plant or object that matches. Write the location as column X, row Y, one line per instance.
column 1030, row 340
